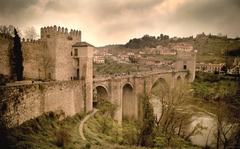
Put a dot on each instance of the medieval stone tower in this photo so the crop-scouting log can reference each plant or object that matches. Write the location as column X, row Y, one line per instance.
column 71, row 59
column 59, row 51
column 186, row 61
column 82, row 54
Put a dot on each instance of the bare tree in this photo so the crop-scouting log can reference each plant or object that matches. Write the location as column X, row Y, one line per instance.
column 228, row 126
column 172, row 121
column 9, row 30
column 30, row 33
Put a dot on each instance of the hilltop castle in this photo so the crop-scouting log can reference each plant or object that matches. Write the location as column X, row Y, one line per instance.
column 58, row 55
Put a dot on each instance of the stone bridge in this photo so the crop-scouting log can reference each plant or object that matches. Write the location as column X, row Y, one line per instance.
column 124, row 90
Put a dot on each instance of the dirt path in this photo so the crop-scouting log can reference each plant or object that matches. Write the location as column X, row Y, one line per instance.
column 83, row 121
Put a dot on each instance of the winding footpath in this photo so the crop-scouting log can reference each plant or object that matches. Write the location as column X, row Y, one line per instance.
column 83, row 121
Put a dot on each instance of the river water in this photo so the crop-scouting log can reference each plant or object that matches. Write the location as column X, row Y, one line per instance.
column 206, row 120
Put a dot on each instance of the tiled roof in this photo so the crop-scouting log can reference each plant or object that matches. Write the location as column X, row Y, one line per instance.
column 82, row 44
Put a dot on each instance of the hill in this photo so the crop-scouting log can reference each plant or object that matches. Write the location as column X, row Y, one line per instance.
column 211, row 48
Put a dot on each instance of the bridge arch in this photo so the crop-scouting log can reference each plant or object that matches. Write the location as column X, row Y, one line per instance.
column 128, row 101
column 100, row 93
column 179, row 78
column 159, row 91
column 160, row 87
column 179, row 81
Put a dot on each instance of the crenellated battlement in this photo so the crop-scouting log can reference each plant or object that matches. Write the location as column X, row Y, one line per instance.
column 54, row 31
column 32, row 41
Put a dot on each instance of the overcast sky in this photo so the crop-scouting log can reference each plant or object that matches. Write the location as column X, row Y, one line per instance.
column 116, row 21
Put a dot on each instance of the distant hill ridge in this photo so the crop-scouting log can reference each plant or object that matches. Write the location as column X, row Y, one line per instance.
column 211, row 48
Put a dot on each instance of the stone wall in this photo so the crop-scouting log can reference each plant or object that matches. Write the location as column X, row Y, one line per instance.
column 33, row 61
column 23, row 102
column 5, row 46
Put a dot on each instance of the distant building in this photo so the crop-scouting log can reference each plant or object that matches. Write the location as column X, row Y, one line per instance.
column 130, row 54
column 107, row 54
column 142, row 52
column 124, row 57
column 98, row 60
column 184, row 47
column 211, row 68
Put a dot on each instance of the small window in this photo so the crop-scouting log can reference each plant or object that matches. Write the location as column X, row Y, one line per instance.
column 184, row 67
column 78, row 76
column 71, row 53
column 75, row 52
column 48, row 36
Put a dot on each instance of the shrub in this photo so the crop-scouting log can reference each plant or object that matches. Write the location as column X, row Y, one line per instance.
column 62, row 138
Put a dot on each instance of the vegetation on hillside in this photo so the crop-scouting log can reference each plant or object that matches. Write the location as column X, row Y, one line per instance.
column 147, row 41
column 222, row 93
column 212, row 87
column 103, row 131
column 211, row 48
column 44, row 132
column 234, row 52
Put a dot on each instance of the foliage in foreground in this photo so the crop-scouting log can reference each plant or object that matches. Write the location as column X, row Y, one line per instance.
column 222, row 92
column 102, row 129
column 44, row 132
column 170, row 129
column 211, row 87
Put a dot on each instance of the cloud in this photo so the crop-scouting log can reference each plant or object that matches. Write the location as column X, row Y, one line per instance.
column 112, row 21
column 13, row 7
column 211, row 16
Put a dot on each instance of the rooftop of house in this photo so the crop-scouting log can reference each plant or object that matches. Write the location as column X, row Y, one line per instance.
column 82, row 44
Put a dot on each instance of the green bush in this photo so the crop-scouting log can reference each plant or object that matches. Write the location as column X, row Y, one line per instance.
column 62, row 138
column 212, row 86
column 43, row 132
column 130, row 132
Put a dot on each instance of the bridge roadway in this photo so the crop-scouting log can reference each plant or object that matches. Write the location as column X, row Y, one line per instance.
column 133, row 74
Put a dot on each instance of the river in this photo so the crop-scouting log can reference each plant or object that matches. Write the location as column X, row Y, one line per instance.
column 206, row 120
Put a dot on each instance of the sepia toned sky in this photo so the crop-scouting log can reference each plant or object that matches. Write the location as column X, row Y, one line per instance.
column 116, row 21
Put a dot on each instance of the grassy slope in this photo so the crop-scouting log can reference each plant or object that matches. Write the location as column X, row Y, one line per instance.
column 44, row 132
column 103, row 132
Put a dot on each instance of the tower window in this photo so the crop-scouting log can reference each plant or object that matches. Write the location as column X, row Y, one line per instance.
column 78, row 75
column 184, row 67
column 75, row 52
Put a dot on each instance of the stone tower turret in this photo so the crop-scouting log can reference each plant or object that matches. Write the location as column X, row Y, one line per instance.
column 186, row 61
column 83, row 58
column 59, row 45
